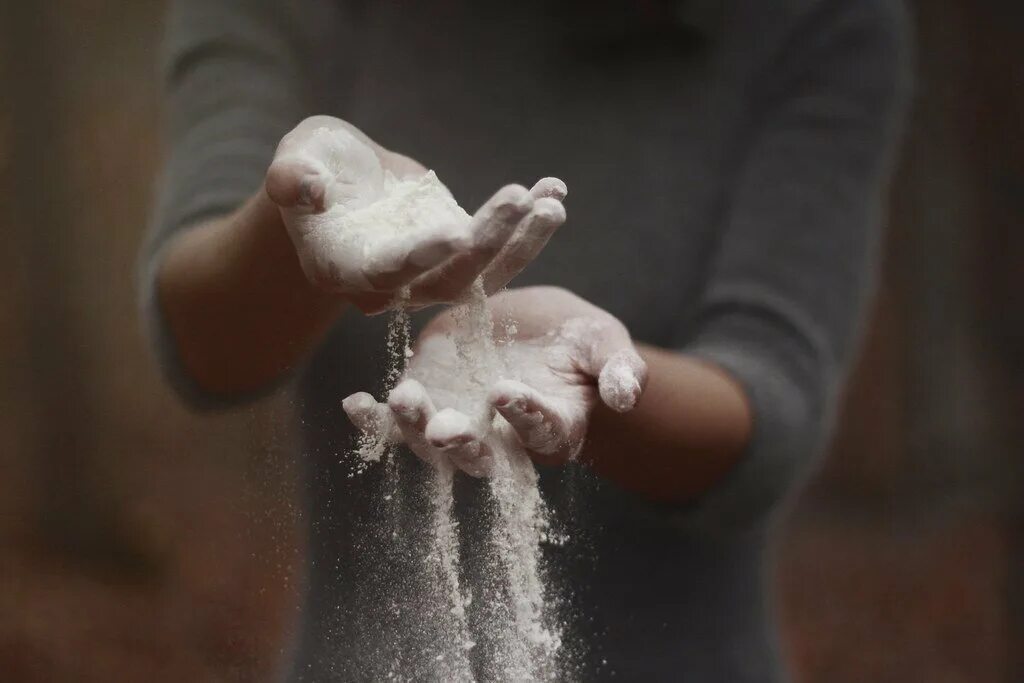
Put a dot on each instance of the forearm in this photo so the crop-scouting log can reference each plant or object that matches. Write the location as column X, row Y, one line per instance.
column 239, row 308
column 690, row 427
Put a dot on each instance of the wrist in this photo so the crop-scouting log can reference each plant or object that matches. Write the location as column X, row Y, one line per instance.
column 691, row 426
column 267, row 249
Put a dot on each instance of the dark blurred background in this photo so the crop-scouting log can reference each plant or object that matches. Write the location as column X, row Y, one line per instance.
column 138, row 542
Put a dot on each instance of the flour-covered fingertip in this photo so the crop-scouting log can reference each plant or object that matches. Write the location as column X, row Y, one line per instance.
column 550, row 187
column 622, row 381
column 409, row 401
column 408, row 392
column 549, row 210
column 359, row 402
column 364, row 412
column 509, row 394
column 511, row 200
column 450, row 428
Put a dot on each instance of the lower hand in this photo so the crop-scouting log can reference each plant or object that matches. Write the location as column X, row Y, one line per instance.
column 556, row 357
column 325, row 163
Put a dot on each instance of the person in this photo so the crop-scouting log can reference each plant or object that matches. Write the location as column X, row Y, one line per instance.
column 727, row 161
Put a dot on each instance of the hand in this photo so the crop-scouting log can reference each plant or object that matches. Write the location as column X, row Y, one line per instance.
column 326, row 163
column 555, row 357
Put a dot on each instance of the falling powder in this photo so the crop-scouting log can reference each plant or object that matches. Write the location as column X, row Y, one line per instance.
column 518, row 623
column 524, row 632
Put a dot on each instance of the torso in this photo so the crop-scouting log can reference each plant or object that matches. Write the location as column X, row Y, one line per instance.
column 648, row 139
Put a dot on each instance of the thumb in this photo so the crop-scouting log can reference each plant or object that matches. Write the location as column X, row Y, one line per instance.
column 620, row 371
column 622, row 380
column 294, row 182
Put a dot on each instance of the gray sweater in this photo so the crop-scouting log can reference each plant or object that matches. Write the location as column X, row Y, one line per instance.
column 754, row 137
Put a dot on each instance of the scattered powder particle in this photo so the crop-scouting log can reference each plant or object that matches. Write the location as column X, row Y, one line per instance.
column 523, row 627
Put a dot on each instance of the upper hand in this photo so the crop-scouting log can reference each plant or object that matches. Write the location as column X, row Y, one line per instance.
column 325, row 162
column 559, row 356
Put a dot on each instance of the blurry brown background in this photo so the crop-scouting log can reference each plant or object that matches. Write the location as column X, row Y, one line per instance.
column 138, row 542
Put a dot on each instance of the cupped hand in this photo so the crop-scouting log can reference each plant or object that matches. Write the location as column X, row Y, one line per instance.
column 556, row 356
column 326, row 163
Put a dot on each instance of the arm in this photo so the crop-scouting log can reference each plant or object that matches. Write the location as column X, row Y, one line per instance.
column 729, row 419
column 237, row 303
column 692, row 424
column 241, row 304
column 778, row 319
column 236, row 78
column 243, row 307
column 245, row 273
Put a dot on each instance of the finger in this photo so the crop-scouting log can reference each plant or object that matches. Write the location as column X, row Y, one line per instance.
column 622, row 373
column 540, row 424
column 412, row 409
column 324, row 161
column 530, row 238
column 297, row 182
column 622, row 380
column 453, row 434
column 549, row 187
column 608, row 355
column 370, row 417
column 491, row 228
column 399, row 260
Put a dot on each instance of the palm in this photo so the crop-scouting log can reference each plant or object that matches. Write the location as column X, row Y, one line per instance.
column 548, row 365
column 555, row 356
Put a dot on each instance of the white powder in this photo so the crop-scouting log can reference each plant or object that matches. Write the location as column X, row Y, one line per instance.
column 518, row 619
column 531, row 640
column 373, row 229
column 404, row 205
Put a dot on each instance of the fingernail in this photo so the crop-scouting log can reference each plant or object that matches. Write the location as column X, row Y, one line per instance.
column 311, row 191
column 559, row 190
column 407, row 413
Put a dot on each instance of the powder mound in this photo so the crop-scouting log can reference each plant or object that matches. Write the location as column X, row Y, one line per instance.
column 408, row 218
column 422, row 203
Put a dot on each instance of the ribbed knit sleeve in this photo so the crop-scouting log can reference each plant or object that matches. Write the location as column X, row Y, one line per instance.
column 795, row 264
column 237, row 75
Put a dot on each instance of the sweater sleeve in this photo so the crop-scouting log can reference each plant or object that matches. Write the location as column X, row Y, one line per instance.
column 794, row 266
column 237, row 75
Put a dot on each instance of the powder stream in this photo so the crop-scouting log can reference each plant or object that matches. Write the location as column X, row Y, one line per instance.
column 527, row 645
column 519, row 622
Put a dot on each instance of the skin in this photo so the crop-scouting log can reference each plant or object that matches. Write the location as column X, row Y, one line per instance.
column 249, row 295
column 583, row 390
